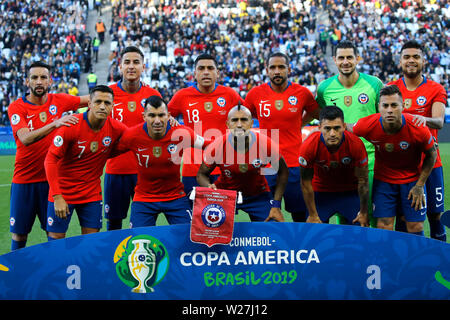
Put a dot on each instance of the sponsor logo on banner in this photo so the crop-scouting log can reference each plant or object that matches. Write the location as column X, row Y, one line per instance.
column 141, row 262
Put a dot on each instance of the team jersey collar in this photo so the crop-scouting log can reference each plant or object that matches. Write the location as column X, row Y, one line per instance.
column 119, row 84
column 270, row 85
column 24, row 98
column 340, row 144
column 145, row 127
column 195, row 85
column 403, row 122
column 423, row 81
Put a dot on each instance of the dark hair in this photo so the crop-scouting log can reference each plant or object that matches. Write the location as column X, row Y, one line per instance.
column 390, row 90
column 279, row 54
column 331, row 113
column 412, row 44
column 131, row 49
column 39, row 64
column 155, row 102
column 240, row 107
column 346, row 44
column 205, row 56
column 101, row 88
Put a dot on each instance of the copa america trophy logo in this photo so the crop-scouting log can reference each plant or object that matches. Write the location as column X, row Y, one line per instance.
column 213, row 215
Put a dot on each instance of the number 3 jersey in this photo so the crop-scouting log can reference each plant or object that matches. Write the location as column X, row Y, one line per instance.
column 29, row 165
column 128, row 109
column 282, row 112
column 76, row 158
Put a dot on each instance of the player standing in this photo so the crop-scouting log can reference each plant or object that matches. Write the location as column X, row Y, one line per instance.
column 334, row 174
column 242, row 154
column 426, row 100
column 282, row 107
column 34, row 117
column 400, row 174
column 356, row 93
column 204, row 107
column 75, row 162
column 156, row 146
column 121, row 172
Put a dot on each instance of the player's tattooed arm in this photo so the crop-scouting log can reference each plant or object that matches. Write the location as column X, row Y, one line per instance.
column 203, row 176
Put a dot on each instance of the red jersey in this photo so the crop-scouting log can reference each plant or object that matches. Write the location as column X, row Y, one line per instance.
column 335, row 171
column 76, row 158
column 242, row 171
column 29, row 165
column 202, row 112
column 159, row 161
column 282, row 111
column 128, row 109
column 397, row 156
column 420, row 101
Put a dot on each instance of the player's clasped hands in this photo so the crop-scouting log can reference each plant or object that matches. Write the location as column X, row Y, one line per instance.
column 417, row 197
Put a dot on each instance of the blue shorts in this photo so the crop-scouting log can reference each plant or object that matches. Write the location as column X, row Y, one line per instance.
column 345, row 203
column 191, row 182
column 257, row 207
column 390, row 198
column 144, row 214
column 27, row 200
column 89, row 216
column 119, row 191
column 293, row 196
column 435, row 191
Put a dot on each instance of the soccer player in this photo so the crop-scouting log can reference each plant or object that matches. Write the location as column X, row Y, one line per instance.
column 34, row 117
column 121, row 172
column 334, row 173
column 400, row 174
column 282, row 108
column 356, row 93
column 242, row 155
column 426, row 100
column 204, row 108
column 157, row 146
column 75, row 162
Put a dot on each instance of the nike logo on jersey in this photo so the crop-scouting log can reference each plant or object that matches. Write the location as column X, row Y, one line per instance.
column 117, row 104
column 191, row 104
column 142, row 149
column 28, row 117
column 333, row 100
column 80, row 142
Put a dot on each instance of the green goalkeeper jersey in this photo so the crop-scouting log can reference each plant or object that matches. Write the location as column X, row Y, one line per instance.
column 356, row 102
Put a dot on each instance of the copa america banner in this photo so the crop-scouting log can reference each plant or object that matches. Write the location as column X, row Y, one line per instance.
column 281, row 261
column 213, row 216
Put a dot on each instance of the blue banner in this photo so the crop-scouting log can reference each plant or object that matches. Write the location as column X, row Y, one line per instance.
column 7, row 143
column 264, row 261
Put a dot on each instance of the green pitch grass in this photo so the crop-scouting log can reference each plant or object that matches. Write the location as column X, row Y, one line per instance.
column 38, row 236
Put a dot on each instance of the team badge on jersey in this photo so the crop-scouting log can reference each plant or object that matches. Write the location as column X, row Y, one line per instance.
column 43, row 116
column 243, row 168
column 404, row 145
column 53, row 109
column 421, row 101
column 132, row 106
column 12, row 221
column 279, row 104
column 346, row 160
column 94, row 146
column 15, row 119
column 213, row 215
column 407, row 103
column 256, row 163
column 208, row 106
column 227, row 173
column 221, row 102
column 58, row 141
column 348, row 101
column 389, row 147
column 172, row 148
column 302, row 161
column 334, row 164
column 363, row 98
column 292, row 100
column 157, row 151
column 106, row 141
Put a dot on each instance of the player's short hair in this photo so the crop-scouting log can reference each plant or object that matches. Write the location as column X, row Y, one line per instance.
column 390, row 91
column 39, row 64
column 131, row 49
column 412, row 44
column 155, row 102
column 279, row 54
column 205, row 56
column 346, row 44
column 331, row 113
column 101, row 88
column 239, row 107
